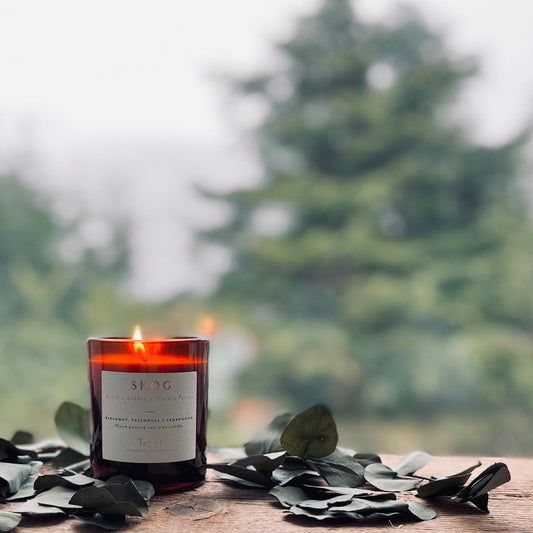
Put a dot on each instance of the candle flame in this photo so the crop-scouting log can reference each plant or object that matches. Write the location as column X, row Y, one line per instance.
column 138, row 346
column 137, row 335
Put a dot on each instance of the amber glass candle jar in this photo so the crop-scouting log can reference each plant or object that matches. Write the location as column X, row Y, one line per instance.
column 149, row 409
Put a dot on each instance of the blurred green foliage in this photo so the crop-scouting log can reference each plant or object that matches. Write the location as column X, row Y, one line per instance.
column 382, row 267
column 49, row 305
column 396, row 275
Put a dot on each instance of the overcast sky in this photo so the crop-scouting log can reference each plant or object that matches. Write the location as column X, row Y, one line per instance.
column 82, row 81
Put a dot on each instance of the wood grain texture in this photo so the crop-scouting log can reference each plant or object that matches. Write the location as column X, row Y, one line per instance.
column 218, row 507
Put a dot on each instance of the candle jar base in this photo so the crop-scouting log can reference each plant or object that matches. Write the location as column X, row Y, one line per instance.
column 165, row 477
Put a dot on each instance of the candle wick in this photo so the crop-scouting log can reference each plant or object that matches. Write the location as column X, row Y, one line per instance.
column 140, row 350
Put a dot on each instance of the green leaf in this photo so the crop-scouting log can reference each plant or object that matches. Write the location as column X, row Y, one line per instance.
column 14, row 475
column 58, row 497
column 422, row 512
column 410, row 463
column 264, row 464
column 34, row 508
column 22, row 437
column 10, row 452
column 384, row 478
column 111, row 499
column 72, row 424
column 9, row 521
column 108, row 522
column 476, row 491
column 242, row 475
column 446, row 486
column 267, row 440
column 49, row 481
column 365, row 459
column 69, row 458
column 310, row 434
column 339, row 470
column 288, row 496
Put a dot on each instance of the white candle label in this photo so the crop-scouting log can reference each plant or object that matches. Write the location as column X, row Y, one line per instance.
column 148, row 418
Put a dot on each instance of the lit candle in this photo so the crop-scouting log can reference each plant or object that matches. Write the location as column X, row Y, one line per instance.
column 149, row 409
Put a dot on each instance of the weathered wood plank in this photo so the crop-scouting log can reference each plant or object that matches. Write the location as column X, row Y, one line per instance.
column 217, row 507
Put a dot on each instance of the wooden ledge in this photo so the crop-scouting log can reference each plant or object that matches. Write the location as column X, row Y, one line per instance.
column 216, row 507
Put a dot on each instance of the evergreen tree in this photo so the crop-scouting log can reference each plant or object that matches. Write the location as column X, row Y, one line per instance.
column 402, row 277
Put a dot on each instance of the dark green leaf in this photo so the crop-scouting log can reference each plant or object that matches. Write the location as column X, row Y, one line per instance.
column 72, row 424
column 22, row 437
column 69, row 458
column 476, row 491
column 365, row 459
column 288, row 496
column 446, row 486
column 267, row 440
column 242, row 475
column 144, row 488
column 265, row 464
column 410, row 463
column 34, row 508
column 384, row 478
column 10, row 452
column 57, row 497
column 112, row 499
column 8, row 521
column 285, row 475
column 108, row 522
column 311, row 434
column 339, row 470
column 317, row 515
column 76, row 481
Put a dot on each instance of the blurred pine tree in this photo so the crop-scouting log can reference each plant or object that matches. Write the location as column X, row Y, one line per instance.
column 397, row 276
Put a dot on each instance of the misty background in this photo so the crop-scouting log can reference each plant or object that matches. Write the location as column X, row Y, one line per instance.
column 119, row 115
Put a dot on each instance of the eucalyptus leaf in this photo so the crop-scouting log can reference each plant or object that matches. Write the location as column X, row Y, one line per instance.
column 410, row 463
column 9, row 521
column 384, row 478
column 10, row 452
column 446, row 486
column 288, row 496
column 422, row 512
column 76, row 481
column 111, row 496
column 310, row 434
column 365, row 459
column 72, row 424
column 338, row 474
column 22, row 437
column 144, row 488
column 242, row 475
column 284, row 476
column 69, row 458
column 267, row 440
column 108, row 522
column 320, row 515
column 14, row 475
column 26, row 490
column 477, row 490
column 34, row 508
column 57, row 497
column 264, row 464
